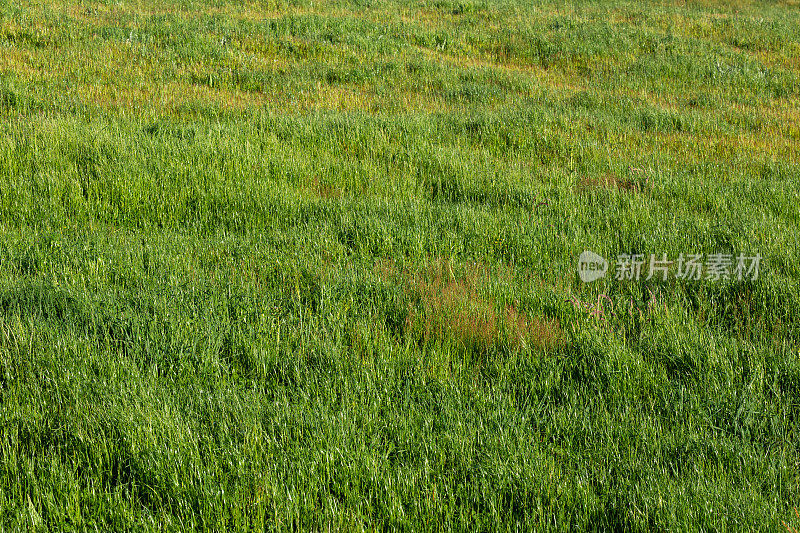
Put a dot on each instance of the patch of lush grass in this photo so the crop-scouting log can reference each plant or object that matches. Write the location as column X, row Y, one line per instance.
column 312, row 265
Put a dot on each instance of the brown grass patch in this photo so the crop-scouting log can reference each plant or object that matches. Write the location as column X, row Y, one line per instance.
column 610, row 180
column 449, row 305
column 323, row 189
column 542, row 333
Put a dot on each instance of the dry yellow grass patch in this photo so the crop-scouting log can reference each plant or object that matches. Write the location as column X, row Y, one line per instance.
column 409, row 100
column 728, row 5
column 691, row 148
column 560, row 79
column 337, row 97
column 756, row 145
column 785, row 113
column 432, row 18
column 165, row 99
column 175, row 94
column 29, row 35
column 110, row 97
column 91, row 13
column 22, row 63
column 259, row 49
column 663, row 101
column 255, row 11
column 788, row 58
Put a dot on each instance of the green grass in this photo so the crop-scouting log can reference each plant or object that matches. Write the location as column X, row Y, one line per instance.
column 295, row 265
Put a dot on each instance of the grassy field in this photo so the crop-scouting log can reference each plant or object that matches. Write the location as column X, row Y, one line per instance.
column 313, row 265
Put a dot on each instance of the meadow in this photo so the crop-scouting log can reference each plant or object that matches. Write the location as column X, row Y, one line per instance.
column 297, row 265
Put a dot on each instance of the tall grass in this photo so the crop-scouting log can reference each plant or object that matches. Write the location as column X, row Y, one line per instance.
column 297, row 265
